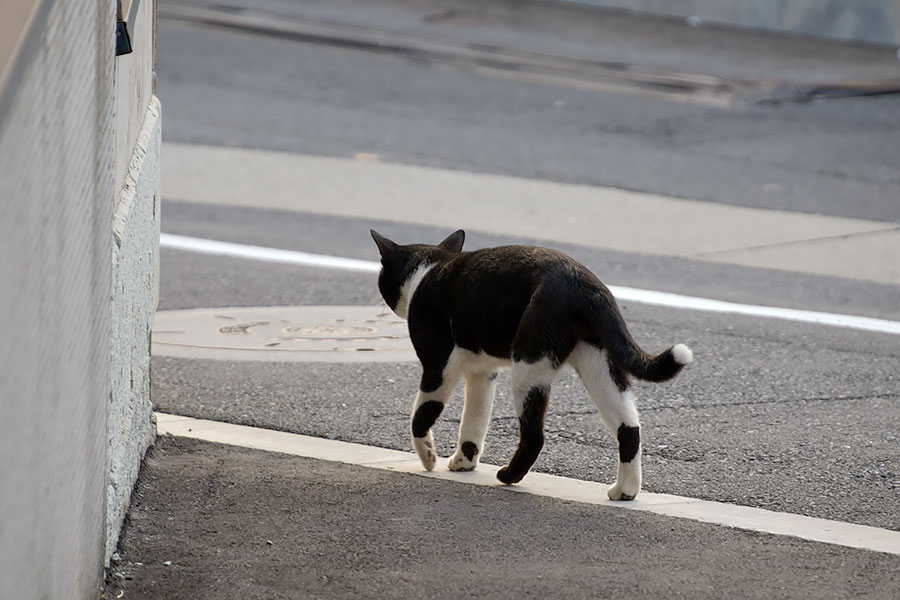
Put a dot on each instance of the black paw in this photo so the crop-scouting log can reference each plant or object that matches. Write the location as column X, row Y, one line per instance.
column 469, row 449
column 507, row 477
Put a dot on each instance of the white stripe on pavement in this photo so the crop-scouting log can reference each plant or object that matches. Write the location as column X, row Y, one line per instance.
column 752, row 310
column 203, row 246
column 742, row 517
column 652, row 297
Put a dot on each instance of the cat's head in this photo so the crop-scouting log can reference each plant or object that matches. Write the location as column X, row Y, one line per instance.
column 402, row 267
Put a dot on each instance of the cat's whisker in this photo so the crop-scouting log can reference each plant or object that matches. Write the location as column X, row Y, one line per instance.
column 385, row 311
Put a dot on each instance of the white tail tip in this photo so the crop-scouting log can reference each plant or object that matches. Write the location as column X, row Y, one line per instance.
column 682, row 354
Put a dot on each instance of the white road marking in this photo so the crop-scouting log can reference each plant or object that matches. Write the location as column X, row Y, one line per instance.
column 742, row 517
column 204, row 246
column 652, row 297
column 752, row 310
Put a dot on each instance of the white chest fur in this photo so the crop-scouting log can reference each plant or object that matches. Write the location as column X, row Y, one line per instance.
column 409, row 288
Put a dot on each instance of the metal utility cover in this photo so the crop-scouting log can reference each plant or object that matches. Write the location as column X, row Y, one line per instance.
column 283, row 333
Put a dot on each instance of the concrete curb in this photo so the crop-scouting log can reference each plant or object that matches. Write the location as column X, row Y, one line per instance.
column 742, row 517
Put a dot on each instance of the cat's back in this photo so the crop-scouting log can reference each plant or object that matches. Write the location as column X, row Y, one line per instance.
column 506, row 277
column 484, row 293
column 516, row 263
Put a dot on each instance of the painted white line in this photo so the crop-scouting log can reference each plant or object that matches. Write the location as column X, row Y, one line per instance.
column 204, row 246
column 742, row 517
column 192, row 244
column 752, row 310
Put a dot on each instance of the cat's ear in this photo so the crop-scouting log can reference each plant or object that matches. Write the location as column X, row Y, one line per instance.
column 385, row 246
column 454, row 241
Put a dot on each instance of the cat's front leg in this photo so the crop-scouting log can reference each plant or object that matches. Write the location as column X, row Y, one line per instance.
column 434, row 391
column 476, row 416
column 425, row 412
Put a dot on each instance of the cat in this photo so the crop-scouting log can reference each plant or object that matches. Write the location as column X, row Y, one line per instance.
column 529, row 308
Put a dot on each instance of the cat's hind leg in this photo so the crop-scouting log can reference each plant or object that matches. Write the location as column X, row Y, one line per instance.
column 435, row 390
column 476, row 416
column 531, row 383
column 543, row 340
column 610, row 389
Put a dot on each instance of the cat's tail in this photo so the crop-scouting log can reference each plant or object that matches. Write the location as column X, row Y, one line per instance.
column 610, row 330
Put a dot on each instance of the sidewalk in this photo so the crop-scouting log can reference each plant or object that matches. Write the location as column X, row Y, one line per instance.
column 217, row 521
column 503, row 205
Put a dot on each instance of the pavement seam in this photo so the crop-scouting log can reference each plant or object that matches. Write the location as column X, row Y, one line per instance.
column 741, row 517
column 790, row 243
column 499, row 61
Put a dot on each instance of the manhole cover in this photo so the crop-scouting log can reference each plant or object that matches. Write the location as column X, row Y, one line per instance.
column 283, row 333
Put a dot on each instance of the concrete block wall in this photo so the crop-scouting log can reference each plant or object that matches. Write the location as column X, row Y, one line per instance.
column 135, row 285
column 135, row 266
column 79, row 230
column 56, row 189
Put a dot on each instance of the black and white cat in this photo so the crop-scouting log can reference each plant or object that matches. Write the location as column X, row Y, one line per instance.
column 531, row 308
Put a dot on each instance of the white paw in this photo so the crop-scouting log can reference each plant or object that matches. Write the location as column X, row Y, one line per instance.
column 459, row 462
column 425, row 449
column 623, row 492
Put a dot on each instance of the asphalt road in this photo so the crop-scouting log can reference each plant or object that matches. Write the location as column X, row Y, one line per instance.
column 791, row 417
column 785, row 416
column 225, row 86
